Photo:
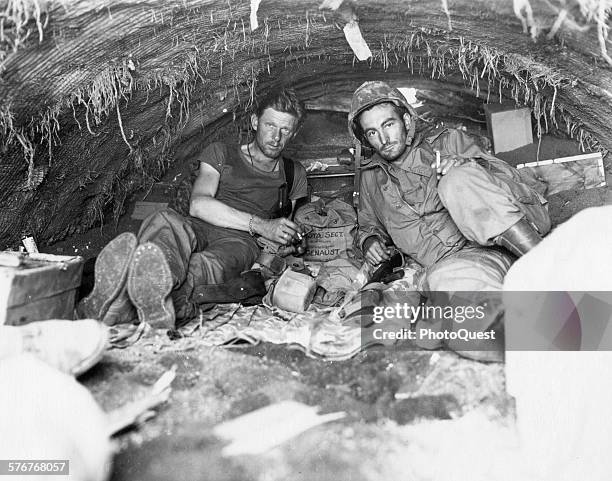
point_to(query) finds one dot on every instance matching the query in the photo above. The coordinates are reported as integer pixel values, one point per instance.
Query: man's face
(385, 130)
(273, 131)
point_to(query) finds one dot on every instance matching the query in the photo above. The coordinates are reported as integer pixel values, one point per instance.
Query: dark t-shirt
(247, 188)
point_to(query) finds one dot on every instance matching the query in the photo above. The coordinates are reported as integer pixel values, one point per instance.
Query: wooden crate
(509, 127)
(43, 287)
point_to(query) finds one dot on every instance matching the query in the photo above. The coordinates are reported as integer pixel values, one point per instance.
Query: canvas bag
(332, 224)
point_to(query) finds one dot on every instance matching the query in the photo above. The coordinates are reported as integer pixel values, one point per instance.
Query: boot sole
(149, 285)
(111, 269)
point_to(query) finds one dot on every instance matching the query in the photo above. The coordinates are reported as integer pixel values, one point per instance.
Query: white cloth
(47, 415)
(563, 398)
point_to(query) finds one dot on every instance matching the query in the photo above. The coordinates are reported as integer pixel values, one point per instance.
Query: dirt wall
(98, 99)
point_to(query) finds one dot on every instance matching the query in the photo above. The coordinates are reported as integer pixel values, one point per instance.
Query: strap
(357, 182)
(289, 174)
(285, 201)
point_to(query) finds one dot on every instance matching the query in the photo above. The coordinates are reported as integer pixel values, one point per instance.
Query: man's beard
(269, 151)
(394, 153)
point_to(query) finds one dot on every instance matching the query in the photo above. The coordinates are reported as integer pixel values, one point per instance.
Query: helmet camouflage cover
(373, 93)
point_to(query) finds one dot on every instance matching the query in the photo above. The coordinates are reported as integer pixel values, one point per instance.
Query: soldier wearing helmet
(441, 200)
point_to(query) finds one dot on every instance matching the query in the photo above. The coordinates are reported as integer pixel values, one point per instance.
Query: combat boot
(121, 310)
(110, 274)
(520, 238)
(149, 286)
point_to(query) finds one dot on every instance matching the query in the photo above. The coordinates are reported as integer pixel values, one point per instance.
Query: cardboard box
(42, 287)
(508, 126)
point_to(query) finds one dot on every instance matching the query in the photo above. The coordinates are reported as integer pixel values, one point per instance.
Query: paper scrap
(352, 32)
(410, 94)
(330, 4)
(139, 411)
(254, 8)
(261, 430)
(316, 166)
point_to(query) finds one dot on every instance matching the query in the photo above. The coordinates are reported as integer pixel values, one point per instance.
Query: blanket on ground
(317, 332)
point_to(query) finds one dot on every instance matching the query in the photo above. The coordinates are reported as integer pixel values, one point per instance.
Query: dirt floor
(217, 384)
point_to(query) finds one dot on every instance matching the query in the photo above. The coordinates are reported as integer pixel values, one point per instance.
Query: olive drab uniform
(447, 225)
(201, 254)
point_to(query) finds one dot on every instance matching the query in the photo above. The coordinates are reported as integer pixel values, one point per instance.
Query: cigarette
(437, 160)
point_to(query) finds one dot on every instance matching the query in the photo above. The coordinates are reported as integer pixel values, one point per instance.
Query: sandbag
(333, 224)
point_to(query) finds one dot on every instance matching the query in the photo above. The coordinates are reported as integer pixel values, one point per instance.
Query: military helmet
(373, 93)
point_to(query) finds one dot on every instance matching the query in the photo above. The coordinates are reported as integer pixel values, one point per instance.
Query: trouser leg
(471, 269)
(222, 260)
(175, 236)
(484, 205)
(468, 284)
(198, 253)
(226, 254)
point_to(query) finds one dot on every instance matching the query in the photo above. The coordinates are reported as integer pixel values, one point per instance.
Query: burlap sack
(333, 224)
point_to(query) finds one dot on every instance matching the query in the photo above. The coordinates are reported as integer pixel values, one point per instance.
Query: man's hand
(280, 230)
(375, 251)
(446, 164)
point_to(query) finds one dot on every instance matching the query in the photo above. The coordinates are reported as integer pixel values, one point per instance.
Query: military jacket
(399, 202)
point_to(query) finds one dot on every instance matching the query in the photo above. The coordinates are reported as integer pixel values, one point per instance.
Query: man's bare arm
(203, 205)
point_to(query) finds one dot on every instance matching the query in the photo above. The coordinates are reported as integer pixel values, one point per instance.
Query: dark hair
(284, 100)
(358, 131)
